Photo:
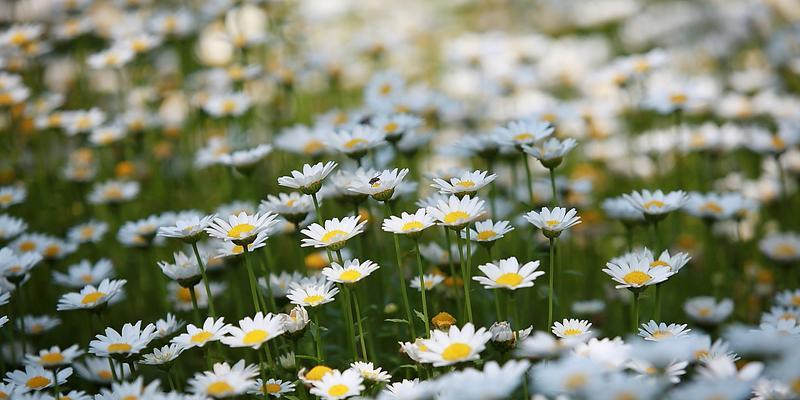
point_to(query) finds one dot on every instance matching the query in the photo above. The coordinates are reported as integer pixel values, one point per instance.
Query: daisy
(225, 380)
(309, 181)
(356, 141)
(10, 227)
(37, 378)
(131, 390)
(409, 224)
(295, 207)
(107, 134)
(295, 321)
(273, 387)
(254, 332)
(429, 280)
(115, 57)
(55, 357)
(113, 192)
(132, 340)
(786, 298)
(181, 297)
(522, 132)
(487, 232)
(241, 229)
(89, 232)
(188, 229)
(91, 297)
(467, 183)
(312, 295)
(781, 247)
(246, 160)
(299, 139)
(352, 271)
(572, 329)
(508, 274)
(335, 233)
(184, 270)
(656, 205)
(38, 325)
(457, 345)
(380, 186)
(165, 355)
(15, 267)
(553, 222)
(635, 273)
(338, 385)
(494, 382)
(314, 374)
(456, 213)
(407, 389)
(168, 325)
(369, 372)
(660, 331)
(621, 209)
(716, 206)
(707, 311)
(232, 104)
(673, 263)
(10, 195)
(394, 126)
(96, 370)
(551, 151)
(212, 330)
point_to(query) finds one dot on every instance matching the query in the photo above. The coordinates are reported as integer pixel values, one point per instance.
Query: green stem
(514, 314)
(421, 273)
(348, 316)
(211, 309)
(113, 370)
(452, 270)
(550, 283)
(635, 312)
(529, 177)
(270, 360)
(554, 199)
(263, 371)
(497, 308)
(468, 275)
(318, 334)
(252, 277)
(464, 275)
(360, 327)
(657, 312)
(401, 273)
(56, 389)
(195, 308)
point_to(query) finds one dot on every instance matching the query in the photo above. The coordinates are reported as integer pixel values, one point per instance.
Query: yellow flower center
(272, 388)
(18, 39)
(412, 226)
(350, 275)
(201, 337)
(625, 396)
(316, 261)
(52, 358)
(523, 137)
(113, 193)
(711, 206)
(313, 299)
(51, 251)
(486, 235)
(184, 295)
(338, 390)
(778, 143)
(316, 373)
(455, 217)
(87, 232)
(353, 143)
(385, 89)
(390, 127)
(37, 382)
(677, 98)
(641, 65)
(510, 278)
(796, 385)
(551, 222)
(575, 381)
(119, 348)
(636, 278)
(785, 250)
(333, 235)
(37, 329)
(659, 334)
(240, 230)
(3, 395)
(219, 388)
(653, 203)
(27, 246)
(572, 332)
(313, 147)
(92, 298)
(228, 106)
(704, 311)
(465, 183)
(105, 374)
(659, 263)
(255, 336)
(456, 351)
(796, 301)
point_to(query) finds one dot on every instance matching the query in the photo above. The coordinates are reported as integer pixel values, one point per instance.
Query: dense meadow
(454, 199)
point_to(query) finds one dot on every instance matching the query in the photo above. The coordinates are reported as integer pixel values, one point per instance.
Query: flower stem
(113, 371)
(657, 312)
(403, 289)
(554, 199)
(452, 269)
(56, 390)
(348, 316)
(263, 371)
(318, 334)
(211, 310)
(635, 312)
(195, 308)
(422, 290)
(550, 293)
(529, 177)
(497, 308)
(252, 277)
(464, 275)
(360, 327)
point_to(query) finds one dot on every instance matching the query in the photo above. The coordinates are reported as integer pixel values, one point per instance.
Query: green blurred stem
(403, 289)
(211, 309)
(421, 273)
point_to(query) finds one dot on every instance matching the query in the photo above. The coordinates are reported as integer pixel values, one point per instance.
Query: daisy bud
(443, 321)
(502, 336)
(295, 322)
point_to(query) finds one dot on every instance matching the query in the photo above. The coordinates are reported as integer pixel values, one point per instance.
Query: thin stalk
(497, 308)
(468, 278)
(550, 283)
(360, 327)
(464, 277)
(657, 312)
(318, 334)
(211, 309)
(113, 370)
(529, 177)
(403, 289)
(554, 199)
(270, 360)
(514, 314)
(635, 312)
(421, 273)
(452, 269)
(195, 308)
(348, 316)
(252, 277)
(56, 389)
(263, 371)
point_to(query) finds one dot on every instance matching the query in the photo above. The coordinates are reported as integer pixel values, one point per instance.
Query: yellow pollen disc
(332, 236)
(486, 235)
(662, 334)
(37, 329)
(338, 390)
(316, 260)
(712, 207)
(272, 388)
(18, 39)
(313, 299)
(412, 226)
(704, 312)
(27, 246)
(105, 374)
(385, 89)
(778, 143)
(456, 351)
(653, 203)
(510, 278)
(219, 388)
(350, 275)
(184, 295)
(6, 99)
(390, 127)
(575, 381)
(626, 396)
(240, 230)
(641, 65)
(353, 143)
(37, 382)
(201, 337)
(340, 119)
(131, 397)
(572, 332)
(466, 183)
(118, 348)
(454, 217)
(228, 106)
(236, 249)
(659, 263)
(255, 336)
(796, 385)
(523, 137)
(636, 278)
(785, 250)
(796, 301)
(677, 98)
(3, 395)
(316, 373)
(92, 298)
(551, 222)
(87, 232)
(51, 251)
(52, 358)
(313, 147)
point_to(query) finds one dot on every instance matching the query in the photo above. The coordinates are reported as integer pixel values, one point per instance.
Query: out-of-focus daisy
(15, 267)
(189, 229)
(312, 295)
(786, 298)
(10, 195)
(36, 325)
(227, 104)
(130, 341)
(487, 232)
(10, 227)
(165, 355)
(96, 370)
(716, 206)
(167, 326)
(89, 232)
(335, 234)
(468, 183)
(369, 372)
(241, 229)
(338, 385)
(54, 357)
(273, 387)
(522, 132)
(37, 378)
(309, 181)
(135, 389)
(660, 331)
(551, 151)
(181, 297)
(454, 346)
(356, 141)
(246, 160)
(114, 57)
(91, 297)
(409, 224)
(224, 380)
(299, 139)
(184, 270)
(552, 223)
(294, 206)
(352, 271)
(394, 126)
(456, 213)
(508, 274)
(107, 134)
(707, 310)
(781, 247)
(572, 329)
(113, 192)
(656, 205)
(381, 186)
(429, 280)
(621, 209)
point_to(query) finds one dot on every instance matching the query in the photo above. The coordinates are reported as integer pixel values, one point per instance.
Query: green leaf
(421, 316)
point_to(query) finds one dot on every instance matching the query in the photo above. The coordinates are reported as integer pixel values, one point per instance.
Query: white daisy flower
(487, 232)
(352, 271)
(131, 390)
(181, 297)
(245, 160)
(96, 370)
(429, 280)
(299, 139)
(15, 266)
(130, 341)
(184, 270)
(89, 232)
(254, 332)
(621, 209)
(10, 227)
(572, 329)
(550, 152)
(717, 206)
(212, 330)
(114, 57)
(466, 183)
(381, 186)
(338, 385)
(189, 228)
(273, 387)
(335, 233)
(296, 320)
(54, 357)
(673, 263)
(295, 207)
(355, 141)
(522, 132)
(10, 195)
(508, 274)
(241, 229)
(164, 355)
(656, 204)
(394, 126)
(91, 297)
(635, 273)
(224, 381)
(37, 378)
(312, 295)
(781, 247)
(168, 325)
(553, 222)
(36, 325)
(407, 390)
(231, 104)
(309, 181)
(708, 311)
(456, 212)
(409, 224)
(113, 192)
(369, 372)
(660, 331)
(456, 345)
